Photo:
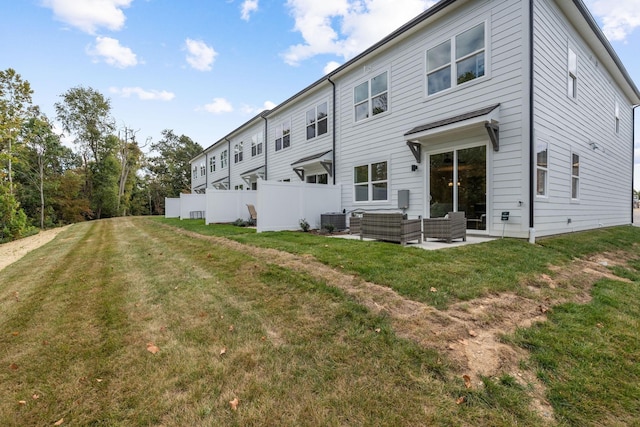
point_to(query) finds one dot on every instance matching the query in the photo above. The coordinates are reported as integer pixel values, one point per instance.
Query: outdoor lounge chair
(452, 226)
(390, 227)
(253, 215)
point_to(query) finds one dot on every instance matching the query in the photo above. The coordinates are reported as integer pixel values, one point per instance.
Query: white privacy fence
(228, 205)
(281, 205)
(192, 206)
(171, 207)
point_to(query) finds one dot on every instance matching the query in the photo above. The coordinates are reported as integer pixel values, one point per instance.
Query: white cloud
(89, 15)
(219, 106)
(113, 53)
(331, 65)
(142, 94)
(346, 27)
(249, 109)
(200, 56)
(248, 6)
(619, 18)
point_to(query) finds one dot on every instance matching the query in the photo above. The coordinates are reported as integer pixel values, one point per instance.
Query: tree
(171, 169)
(15, 107)
(130, 157)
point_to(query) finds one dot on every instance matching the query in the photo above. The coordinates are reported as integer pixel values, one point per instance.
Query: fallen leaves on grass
(234, 404)
(152, 348)
(22, 402)
(13, 367)
(231, 328)
(59, 422)
(223, 351)
(35, 396)
(467, 381)
(461, 400)
(433, 289)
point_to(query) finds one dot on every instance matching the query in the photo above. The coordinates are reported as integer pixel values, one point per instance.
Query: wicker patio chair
(452, 226)
(390, 227)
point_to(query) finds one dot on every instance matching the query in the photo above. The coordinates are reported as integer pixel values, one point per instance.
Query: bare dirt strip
(10, 252)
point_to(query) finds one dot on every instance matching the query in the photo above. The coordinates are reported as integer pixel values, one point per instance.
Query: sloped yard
(135, 322)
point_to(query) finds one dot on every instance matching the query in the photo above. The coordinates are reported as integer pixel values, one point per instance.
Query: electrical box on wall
(403, 199)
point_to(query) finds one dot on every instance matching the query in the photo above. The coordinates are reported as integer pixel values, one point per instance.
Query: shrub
(304, 225)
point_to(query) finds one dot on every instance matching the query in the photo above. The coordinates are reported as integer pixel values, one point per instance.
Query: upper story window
(224, 159)
(256, 144)
(371, 97)
(237, 152)
(572, 77)
(457, 60)
(212, 164)
(575, 176)
(317, 119)
(542, 168)
(283, 135)
(194, 172)
(617, 117)
(370, 182)
(203, 169)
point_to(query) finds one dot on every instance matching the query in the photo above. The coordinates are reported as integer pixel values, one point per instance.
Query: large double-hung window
(224, 159)
(238, 152)
(370, 182)
(457, 61)
(317, 119)
(256, 144)
(371, 97)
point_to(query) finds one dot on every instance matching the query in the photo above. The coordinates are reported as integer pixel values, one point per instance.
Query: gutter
(633, 152)
(265, 147)
(532, 148)
(228, 161)
(333, 151)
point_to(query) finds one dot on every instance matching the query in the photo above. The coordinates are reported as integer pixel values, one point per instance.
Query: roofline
(441, 5)
(582, 8)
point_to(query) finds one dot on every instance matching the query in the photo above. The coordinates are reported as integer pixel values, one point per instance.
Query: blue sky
(204, 67)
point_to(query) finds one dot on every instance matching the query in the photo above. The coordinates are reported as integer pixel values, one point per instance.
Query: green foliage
(330, 228)
(170, 169)
(304, 225)
(13, 220)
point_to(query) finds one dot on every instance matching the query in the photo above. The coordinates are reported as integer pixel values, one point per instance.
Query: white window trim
(454, 81)
(572, 77)
(212, 164)
(370, 76)
(370, 183)
(314, 107)
(572, 153)
(544, 196)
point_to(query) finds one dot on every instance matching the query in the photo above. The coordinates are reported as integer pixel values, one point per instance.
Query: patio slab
(430, 245)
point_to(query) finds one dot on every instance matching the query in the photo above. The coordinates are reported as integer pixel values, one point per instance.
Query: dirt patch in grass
(469, 332)
(11, 252)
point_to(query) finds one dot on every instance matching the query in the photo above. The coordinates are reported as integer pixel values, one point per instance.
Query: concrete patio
(430, 245)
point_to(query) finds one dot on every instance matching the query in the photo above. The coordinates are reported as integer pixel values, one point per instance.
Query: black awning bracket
(328, 167)
(416, 150)
(494, 133)
(300, 173)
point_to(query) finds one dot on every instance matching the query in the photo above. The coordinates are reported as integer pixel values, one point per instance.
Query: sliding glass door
(458, 182)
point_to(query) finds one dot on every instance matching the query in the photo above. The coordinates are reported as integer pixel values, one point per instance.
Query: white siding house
(484, 107)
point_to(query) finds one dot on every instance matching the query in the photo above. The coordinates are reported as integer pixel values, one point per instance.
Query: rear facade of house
(517, 113)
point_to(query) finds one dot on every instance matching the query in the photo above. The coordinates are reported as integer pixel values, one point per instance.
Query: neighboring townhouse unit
(516, 112)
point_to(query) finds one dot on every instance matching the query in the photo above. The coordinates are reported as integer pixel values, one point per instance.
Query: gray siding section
(570, 125)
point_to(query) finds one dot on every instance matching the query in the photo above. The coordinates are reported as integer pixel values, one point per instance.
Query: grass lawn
(128, 322)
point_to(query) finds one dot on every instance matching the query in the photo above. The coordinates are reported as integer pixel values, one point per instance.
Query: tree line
(45, 184)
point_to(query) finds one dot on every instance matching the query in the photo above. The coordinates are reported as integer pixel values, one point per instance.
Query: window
(237, 152)
(194, 172)
(223, 159)
(203, 169)
(617, 112)
(321, 178)
(239, 187)
(370, 182)
(212, 164)
(283, 135)
(467, 56)
(317, 120)
(572, 78)
(575, 176)
(542, 168)
(371, 97)
(256, 144)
